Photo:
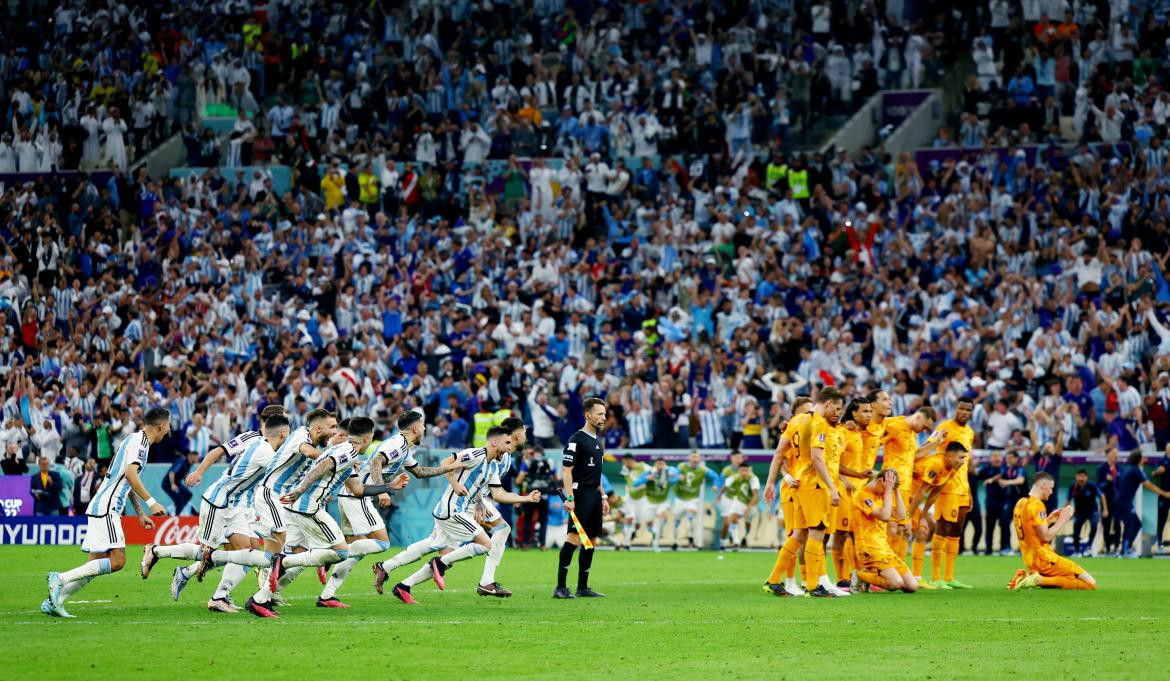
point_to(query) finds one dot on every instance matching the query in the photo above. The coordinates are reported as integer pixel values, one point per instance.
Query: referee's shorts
(588, 510)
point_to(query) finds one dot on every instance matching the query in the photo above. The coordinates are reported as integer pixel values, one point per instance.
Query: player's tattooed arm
(323, 467)
(430, 471)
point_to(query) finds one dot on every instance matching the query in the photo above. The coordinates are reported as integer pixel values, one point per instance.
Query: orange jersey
(816, 434)
(871, 440)
(958, 484)
(792, 432)
(869, 532)
(853, 456)
(835, 451)
(932, 471)
(901, 444)
(1028, 513)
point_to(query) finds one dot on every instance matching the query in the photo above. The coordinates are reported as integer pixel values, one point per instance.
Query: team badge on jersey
(930, 474)
(869, 502)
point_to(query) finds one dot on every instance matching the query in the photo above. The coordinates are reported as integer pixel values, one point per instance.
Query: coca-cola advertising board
(169, 530)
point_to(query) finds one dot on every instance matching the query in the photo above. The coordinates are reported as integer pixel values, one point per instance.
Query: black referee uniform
(583, 455)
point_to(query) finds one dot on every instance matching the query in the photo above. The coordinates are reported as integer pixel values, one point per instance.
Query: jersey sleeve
(409, 461)
(819, 435)
(755, 483)
(570, 452)
(868, 505)
(469, 458)
(236, 446)
(1037, 515)
(894, 428)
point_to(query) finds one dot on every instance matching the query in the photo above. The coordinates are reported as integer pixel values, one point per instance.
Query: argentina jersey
(110, 497)
(397, 455)
(470, 461)
(320, 490)
(489, 476)
(288, 463)
(235, 485)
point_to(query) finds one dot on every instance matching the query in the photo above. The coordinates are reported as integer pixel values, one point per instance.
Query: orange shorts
(843, 512)
(948, 506)
(813, 509)
(788, 507)
(876, 559)
(1047, 563)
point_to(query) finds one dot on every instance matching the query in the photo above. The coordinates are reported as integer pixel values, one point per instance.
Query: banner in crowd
(15, 497)
(897, 106)
(43, 530)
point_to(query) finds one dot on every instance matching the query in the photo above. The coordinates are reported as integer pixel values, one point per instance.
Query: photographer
(536, 474)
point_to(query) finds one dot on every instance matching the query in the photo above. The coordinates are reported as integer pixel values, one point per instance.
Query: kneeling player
(1035, 530)
(874, 506)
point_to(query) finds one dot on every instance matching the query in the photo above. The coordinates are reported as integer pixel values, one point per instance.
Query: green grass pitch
(668, 616)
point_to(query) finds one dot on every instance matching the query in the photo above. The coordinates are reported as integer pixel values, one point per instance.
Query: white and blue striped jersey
(474, 475)
(710, 429)
(110, 496)
(397, 454)
(288, 464)
(234, 487)
(641, 428)
(320, 490)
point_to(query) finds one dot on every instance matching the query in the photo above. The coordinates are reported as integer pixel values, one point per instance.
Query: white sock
(469, 550)
(790, 582)
(233, 574)
(93, 568)
(408, 555)
(495, 553)
(734, 532)
(289, 575)
(182, 551)
(189, 571)
(628, 533)
(340, 572)
(251, 557)
(312, 557)
(73, 587)
(691, 523)
(364, 547)
(823, 580)
(420, 576)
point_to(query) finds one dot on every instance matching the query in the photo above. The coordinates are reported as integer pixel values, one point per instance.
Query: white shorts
(103, 534)
(359, 517)
(492, 513)
(217, 524)
(317, 531)
(685, 506)
(725, 505)
(638, 509)
(270, 514)
(735, 507)
(455, 531)
(655, 509)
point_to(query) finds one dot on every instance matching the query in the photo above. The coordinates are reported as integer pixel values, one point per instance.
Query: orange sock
(790, 572)
(898, 544)
(839, 562)
(784, 559)
(814, 556)
(874, 578)
(1066, 583)
(850, 561)
(952, 554)
(918, 556)
(803, 566)
(938, 550)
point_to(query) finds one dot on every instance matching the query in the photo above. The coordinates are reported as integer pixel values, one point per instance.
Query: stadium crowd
(699, 293)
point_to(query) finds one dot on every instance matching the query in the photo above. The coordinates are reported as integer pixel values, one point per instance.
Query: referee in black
(583, 494)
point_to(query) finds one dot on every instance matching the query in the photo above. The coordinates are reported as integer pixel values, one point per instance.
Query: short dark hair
(735, 452)
(271, 410)
(317, 415)
(513, 424)
(830, 394)
(275, 421)
(592, 402)
(928, 412)
(360, 426)
(157, 416)
(965, 400)
(660, 458)
(1135, 457)
(496, 431)
(628, 455)
(408, 418)
(957, 447)
(343, 425)
(1081, 471)
(851, 409)
(800, 402)
(872, 395)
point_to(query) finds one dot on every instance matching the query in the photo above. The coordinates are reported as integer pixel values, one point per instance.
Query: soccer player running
(853, 472)
(479, 472)
(225, 513)
(583, 491)
(726, 503)
(307, 505)
(784, 465)
(901, 451)
(487, 516)
(954, 500)
(634, 507)
(742, 491)
(816, 494)
(231, 449)
(104, 539)
(876, 505)
(1035, 530)
(657, 483)
(688, 497)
